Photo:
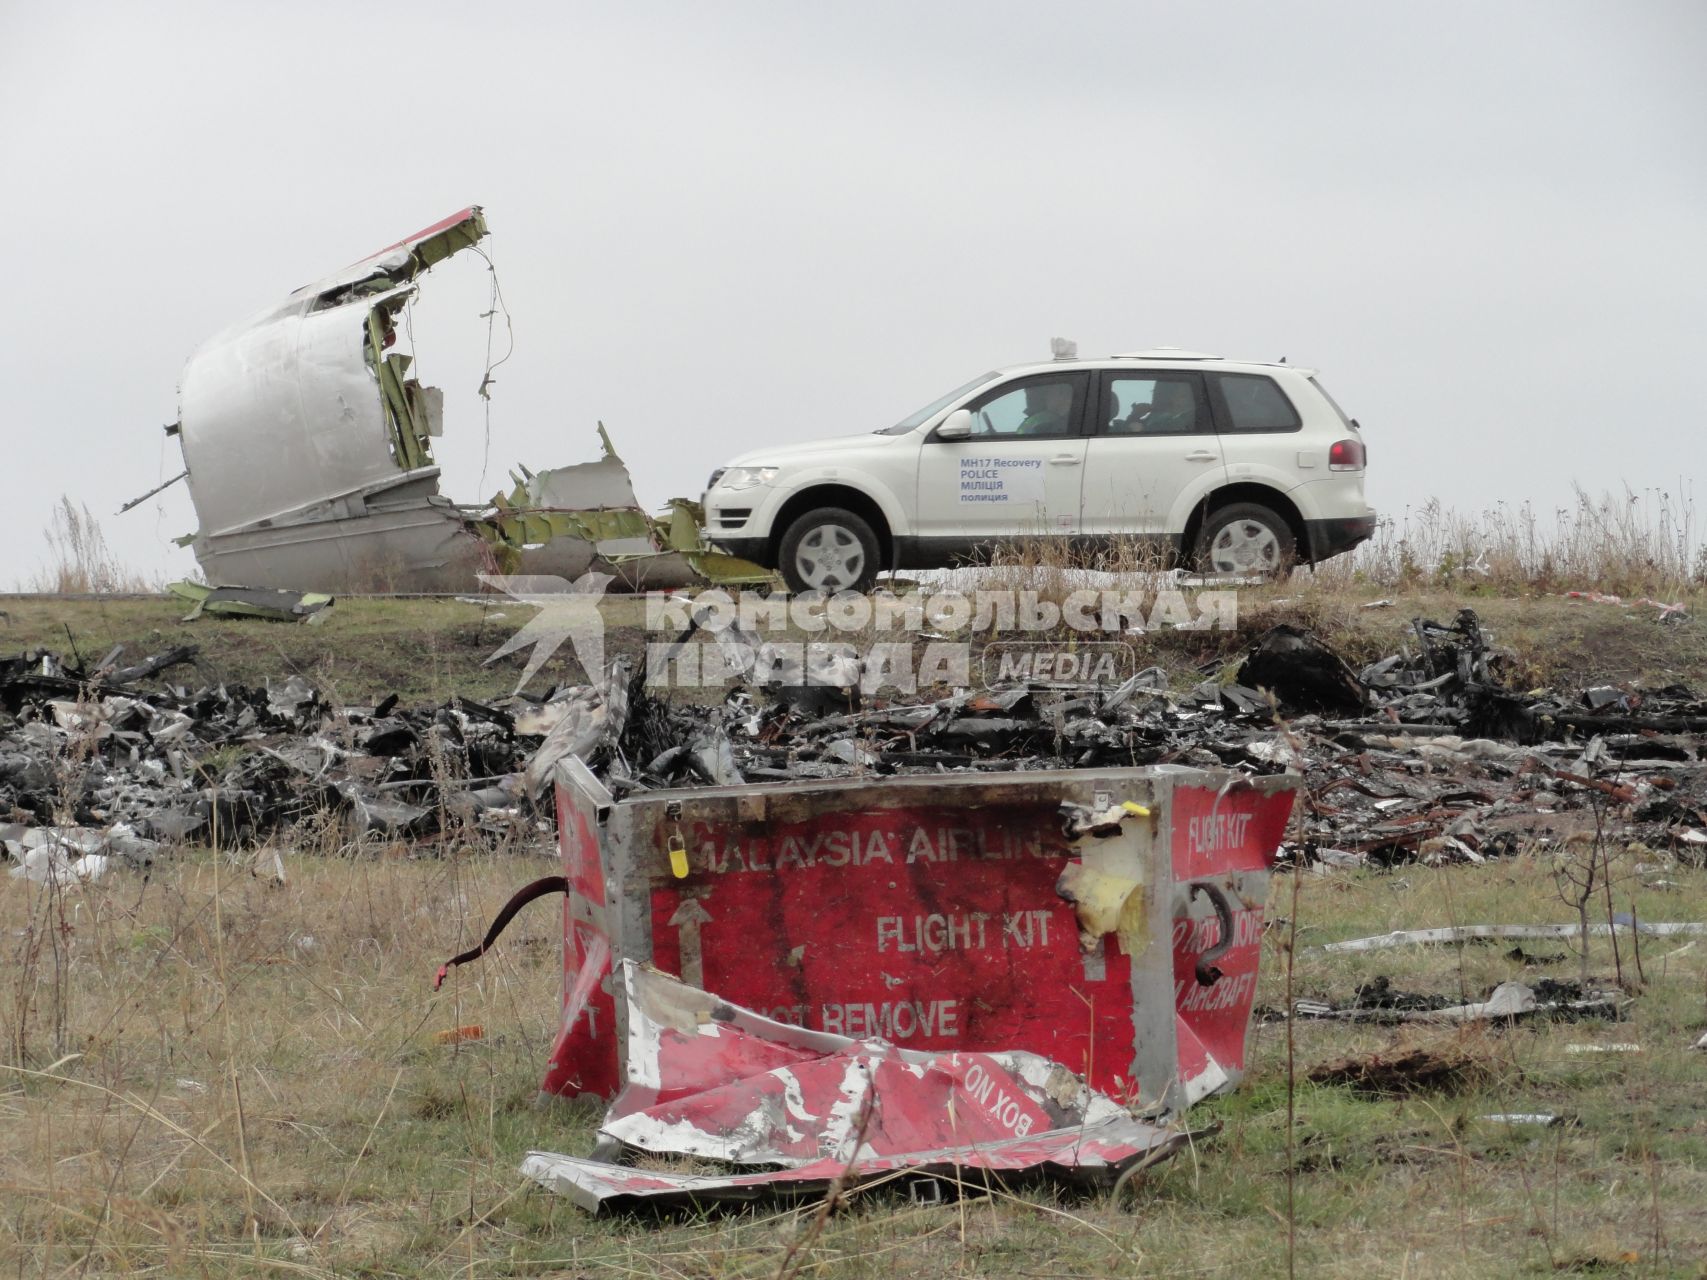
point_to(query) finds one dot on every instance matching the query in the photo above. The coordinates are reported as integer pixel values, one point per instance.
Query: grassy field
(207, 1073)
(211, 1074)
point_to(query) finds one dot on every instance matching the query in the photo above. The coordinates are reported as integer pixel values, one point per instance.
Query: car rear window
(1256, 403)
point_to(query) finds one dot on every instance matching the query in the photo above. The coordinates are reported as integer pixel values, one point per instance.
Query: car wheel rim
(830, 558)
(1245, 546)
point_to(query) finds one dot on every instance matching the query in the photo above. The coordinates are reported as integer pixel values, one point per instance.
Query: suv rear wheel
(829, 550)
(1246, 538)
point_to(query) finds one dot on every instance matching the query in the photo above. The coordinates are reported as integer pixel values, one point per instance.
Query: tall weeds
(1637, 544)
(79, 560)
(1630, 543)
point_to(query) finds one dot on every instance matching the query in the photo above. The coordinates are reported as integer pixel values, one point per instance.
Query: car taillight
(1347, 455)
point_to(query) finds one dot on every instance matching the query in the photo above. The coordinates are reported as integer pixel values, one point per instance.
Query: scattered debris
(1422, 781)
(1594, 1262)
(133, 768)
(1543, 1119)
(1507, 932)
(1444, 1068)
(1453, 766)
(1508, 1002)
(1536, 959)
(62, 855)
(1668, 612)
(1603, 1048)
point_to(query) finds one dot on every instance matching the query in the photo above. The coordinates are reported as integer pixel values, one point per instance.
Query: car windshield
(914, 420)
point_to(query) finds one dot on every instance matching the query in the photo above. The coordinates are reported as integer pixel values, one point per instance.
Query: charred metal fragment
(1302, 672)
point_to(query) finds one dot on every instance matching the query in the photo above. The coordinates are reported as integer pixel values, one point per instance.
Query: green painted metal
(408, 432)
(463, 235)
(251, 602)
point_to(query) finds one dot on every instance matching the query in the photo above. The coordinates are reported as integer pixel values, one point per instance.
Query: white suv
(1236, 466)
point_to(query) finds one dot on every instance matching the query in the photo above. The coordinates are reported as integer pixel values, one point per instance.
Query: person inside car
(1132, 421)
(1047, 407)
(1175, 409)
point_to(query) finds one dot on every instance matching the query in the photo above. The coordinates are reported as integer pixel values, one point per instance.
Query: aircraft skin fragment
(308, 455)
(715, 1081)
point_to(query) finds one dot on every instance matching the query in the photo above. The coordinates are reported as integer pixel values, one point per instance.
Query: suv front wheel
(1246, 538)
(829, 550)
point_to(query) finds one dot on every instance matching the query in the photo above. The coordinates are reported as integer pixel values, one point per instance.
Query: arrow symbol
(687, 919)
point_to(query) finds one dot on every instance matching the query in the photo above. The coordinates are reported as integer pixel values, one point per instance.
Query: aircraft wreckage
(308, 451)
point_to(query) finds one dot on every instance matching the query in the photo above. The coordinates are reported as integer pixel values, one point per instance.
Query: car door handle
(1203, 455)
(1066, 460)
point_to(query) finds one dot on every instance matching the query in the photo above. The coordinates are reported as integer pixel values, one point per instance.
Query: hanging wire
(494, 307)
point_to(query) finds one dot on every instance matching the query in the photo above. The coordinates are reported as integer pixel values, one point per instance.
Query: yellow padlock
(678, 856)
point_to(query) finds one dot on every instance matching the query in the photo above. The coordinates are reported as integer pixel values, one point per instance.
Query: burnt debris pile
(1427, 754)
(92, 764)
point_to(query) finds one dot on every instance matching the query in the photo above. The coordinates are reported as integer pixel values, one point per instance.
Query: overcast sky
(719, 225)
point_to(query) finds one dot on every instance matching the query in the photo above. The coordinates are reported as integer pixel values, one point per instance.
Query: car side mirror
(957, 426)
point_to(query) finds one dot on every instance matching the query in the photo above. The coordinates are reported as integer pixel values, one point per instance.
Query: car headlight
(748, 477)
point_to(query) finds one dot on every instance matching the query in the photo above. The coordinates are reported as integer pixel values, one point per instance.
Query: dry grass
(209, 1064)
(1628, 543)
(206, 1074)
(1054, 569)
(80, 561)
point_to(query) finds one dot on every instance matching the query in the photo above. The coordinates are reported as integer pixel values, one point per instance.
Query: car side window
(1037, 408)
(1252, 402)
(1153, 403)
